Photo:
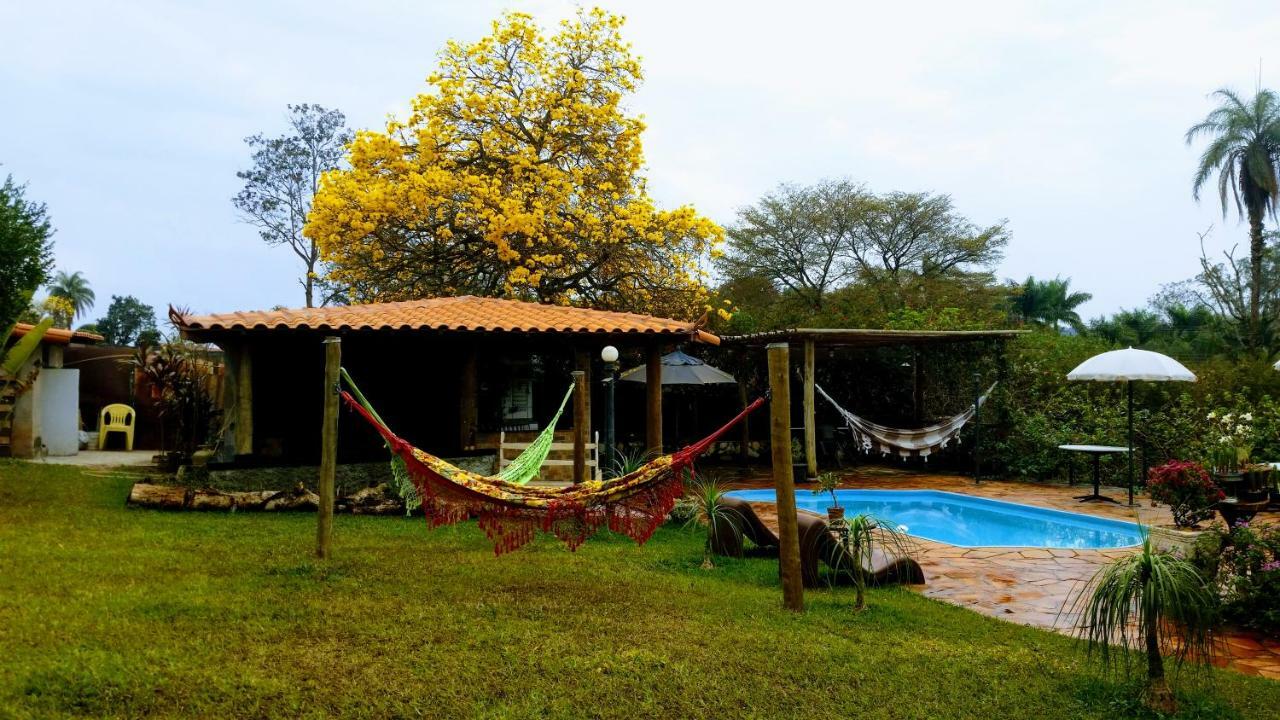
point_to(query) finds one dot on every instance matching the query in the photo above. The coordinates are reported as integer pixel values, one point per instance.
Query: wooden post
(783, 482)
(328, 447)
(244, 401)
(581, 426)
(582, 361)
(917, 387)
(744, 452)
(653, 393)
(468, 391)
(810, 430)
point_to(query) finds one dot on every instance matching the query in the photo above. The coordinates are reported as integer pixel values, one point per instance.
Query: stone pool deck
(1030, 586)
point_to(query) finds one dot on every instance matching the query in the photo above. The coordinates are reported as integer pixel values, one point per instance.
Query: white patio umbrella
(1126, 366)
(681, 369)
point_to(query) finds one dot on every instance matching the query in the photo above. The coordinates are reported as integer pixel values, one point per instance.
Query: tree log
(158, 496)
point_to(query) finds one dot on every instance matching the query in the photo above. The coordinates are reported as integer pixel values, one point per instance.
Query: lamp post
(610, 357)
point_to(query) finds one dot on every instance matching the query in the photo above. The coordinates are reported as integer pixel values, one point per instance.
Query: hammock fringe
(510, 514)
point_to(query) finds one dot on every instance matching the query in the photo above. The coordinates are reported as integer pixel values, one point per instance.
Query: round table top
(1095, 448)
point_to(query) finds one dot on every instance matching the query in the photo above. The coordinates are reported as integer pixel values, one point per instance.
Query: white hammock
(921, 442)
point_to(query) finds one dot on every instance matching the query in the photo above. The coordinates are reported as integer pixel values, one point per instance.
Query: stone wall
(348, 478)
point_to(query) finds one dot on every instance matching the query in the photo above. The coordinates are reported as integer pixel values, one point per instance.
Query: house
(46, 417)
(448, 374)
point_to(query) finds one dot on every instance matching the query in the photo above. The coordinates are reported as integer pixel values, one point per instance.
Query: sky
(1065, 119)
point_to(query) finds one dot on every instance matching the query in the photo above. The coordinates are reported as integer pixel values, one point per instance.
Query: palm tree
(1049, 302)
(1244, 150)
(1151, 600)
(73, 288)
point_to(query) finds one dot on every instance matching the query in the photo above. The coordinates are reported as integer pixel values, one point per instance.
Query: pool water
(969, 521)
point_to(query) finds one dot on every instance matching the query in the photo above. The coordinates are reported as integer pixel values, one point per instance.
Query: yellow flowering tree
(517, 175)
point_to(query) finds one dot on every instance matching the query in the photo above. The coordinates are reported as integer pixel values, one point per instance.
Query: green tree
(1243, 150)
(903, 238)
(128, 321)
(797, 238)
(1048, 302)
(285, 176)
(26, 253)
(73, 288)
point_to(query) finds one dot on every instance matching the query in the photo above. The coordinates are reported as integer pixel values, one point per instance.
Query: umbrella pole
(1130, 384)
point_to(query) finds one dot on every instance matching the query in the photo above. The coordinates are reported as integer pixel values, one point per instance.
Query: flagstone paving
(1031, 586)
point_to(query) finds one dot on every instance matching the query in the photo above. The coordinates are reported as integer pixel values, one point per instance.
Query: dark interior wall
(413, 380)
(107, 376)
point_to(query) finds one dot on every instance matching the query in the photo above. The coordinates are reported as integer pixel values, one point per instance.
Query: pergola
(864, 338)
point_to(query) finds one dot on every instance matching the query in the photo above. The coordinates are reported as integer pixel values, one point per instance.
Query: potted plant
(1257, 480)
(828, 482)
(1187, 489)
(1232, 443)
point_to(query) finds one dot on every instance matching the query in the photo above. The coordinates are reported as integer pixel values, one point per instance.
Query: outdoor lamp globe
(609, 354)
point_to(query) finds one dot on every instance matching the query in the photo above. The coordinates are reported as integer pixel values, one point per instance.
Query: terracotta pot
(835, 513)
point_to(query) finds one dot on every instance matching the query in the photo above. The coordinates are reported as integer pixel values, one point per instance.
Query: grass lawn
(111, 612)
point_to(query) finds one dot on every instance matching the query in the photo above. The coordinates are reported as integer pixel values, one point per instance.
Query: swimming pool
(970, 521)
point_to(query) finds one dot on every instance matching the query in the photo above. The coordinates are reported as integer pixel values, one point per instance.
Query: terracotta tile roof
(460, 314)
(59, 336)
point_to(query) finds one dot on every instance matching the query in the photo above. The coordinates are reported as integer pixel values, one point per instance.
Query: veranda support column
(653, 404)
(810, 430)
(244, 400)
(783, 482)
(744, 440)
(467, 396)
(581, 426)
(328, 446)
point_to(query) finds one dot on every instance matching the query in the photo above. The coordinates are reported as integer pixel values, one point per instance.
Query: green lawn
(110, 612)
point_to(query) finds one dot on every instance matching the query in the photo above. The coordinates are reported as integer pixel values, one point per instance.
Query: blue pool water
(970, 521)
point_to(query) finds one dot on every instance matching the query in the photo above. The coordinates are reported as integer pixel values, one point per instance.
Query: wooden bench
(507, 451)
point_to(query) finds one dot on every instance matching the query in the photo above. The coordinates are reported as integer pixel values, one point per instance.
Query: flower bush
(1248, 577)
(1187, 489)
(1231, 438)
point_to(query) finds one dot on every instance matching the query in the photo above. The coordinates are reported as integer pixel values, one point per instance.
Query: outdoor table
(1097, 451)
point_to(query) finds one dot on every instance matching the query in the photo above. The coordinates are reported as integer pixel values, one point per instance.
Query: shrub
(1248, 577)
(1187, 489)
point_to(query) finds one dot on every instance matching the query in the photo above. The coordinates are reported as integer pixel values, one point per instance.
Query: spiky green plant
(1151, 600)
(13, 382)
(861, 536)
(705, 507)
(624, 462)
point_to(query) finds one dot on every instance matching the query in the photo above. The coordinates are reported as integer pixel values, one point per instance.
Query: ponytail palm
(866, 534)
(706, 506)
(1153, 601)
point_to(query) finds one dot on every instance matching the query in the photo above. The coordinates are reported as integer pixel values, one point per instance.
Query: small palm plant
(704, 505)
(625, 463)
(1152, 600)
(861, 536)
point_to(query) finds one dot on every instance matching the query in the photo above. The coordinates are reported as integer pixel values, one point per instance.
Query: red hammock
(634, 504)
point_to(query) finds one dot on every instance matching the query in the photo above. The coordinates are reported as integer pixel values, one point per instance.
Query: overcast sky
(1064, 118)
